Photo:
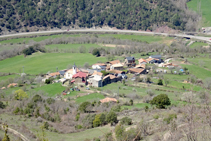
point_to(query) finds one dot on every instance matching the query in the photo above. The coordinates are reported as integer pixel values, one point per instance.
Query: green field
(36, 39)
(199, 72)
(44, 62)
(143, 38)
(198, 44)
(51, 89)
(203, 62)
(90, 97)
(3, 78)
(205, 9)
(72, 46)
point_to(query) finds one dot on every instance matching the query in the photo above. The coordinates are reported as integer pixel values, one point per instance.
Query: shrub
(161, 101)
(83, 106)
(96, 52)
(156, 116)
(20, 94)
(50, 101)
(99, 120)
(2, 106)
(170, 118)
(77, 117)
(48, 81)
(160, 82)
(46, 125)
(88, 121)
(37, 98)
(131, 102)
(79, 126)
(17, 110)
(119, 131)
(111, 117)
(126, 121)
(116, 108)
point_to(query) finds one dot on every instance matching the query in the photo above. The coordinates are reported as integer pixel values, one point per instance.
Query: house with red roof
(79, 78)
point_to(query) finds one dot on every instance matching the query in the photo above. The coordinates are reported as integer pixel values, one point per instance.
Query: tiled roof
(100, 64)
(12, 84)
(140, 66)
(54, 73)
(114, 62)
(111, 76)
(142, 60)
(116, 71)
(107, 99)
(79, 74)
(97, 73)
(136, 70)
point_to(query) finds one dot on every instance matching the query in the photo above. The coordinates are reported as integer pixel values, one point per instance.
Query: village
(102, 74)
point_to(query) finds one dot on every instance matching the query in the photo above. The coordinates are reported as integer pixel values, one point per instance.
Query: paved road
(207, 39)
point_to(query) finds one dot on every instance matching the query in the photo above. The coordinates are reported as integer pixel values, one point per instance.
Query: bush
(50, 101)
(160, 82)
(20, 94)
(48, 81)
(170, 118)
(96, 52)
(116, 108)
(36, 98)
(2, 106)
(161, 101)
(126, 121)
(83, 106)
(131, 102)
(77, 117)
(16, 111)
(111, 117)
(88, 121)
(99, 120)
(28, 51)
(78, 126)
(46, 125)
(156, 116)
(119, 131)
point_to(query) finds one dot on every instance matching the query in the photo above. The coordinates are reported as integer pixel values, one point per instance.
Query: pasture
(47, 62)
(205, 9)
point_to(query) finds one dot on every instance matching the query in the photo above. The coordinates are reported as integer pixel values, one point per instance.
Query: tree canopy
(122, 14)
(161, 101)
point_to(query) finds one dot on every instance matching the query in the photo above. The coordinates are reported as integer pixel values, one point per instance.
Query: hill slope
(205, 9)
(32, 15)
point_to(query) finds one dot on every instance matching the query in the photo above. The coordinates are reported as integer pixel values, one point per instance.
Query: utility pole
(23, 69)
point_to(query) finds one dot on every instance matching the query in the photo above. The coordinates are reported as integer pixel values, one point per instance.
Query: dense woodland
(31, 15)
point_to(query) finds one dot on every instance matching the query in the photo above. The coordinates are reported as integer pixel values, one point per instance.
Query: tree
(20, 94)
(86, 65)
(37, 98)
(161, 101)
(6, 137)
(166, 81)
(126, 121)
(83, 106)
(131, 102)
(119, 131)
(96, 52)
(111, 117)
(160, 82)
(2, 106)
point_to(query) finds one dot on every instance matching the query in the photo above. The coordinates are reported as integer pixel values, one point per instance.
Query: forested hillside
(32, 15)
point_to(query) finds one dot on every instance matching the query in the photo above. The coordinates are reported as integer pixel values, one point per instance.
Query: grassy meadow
(198, 44)
(205, 9)
(44, 62)
(143, 38)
